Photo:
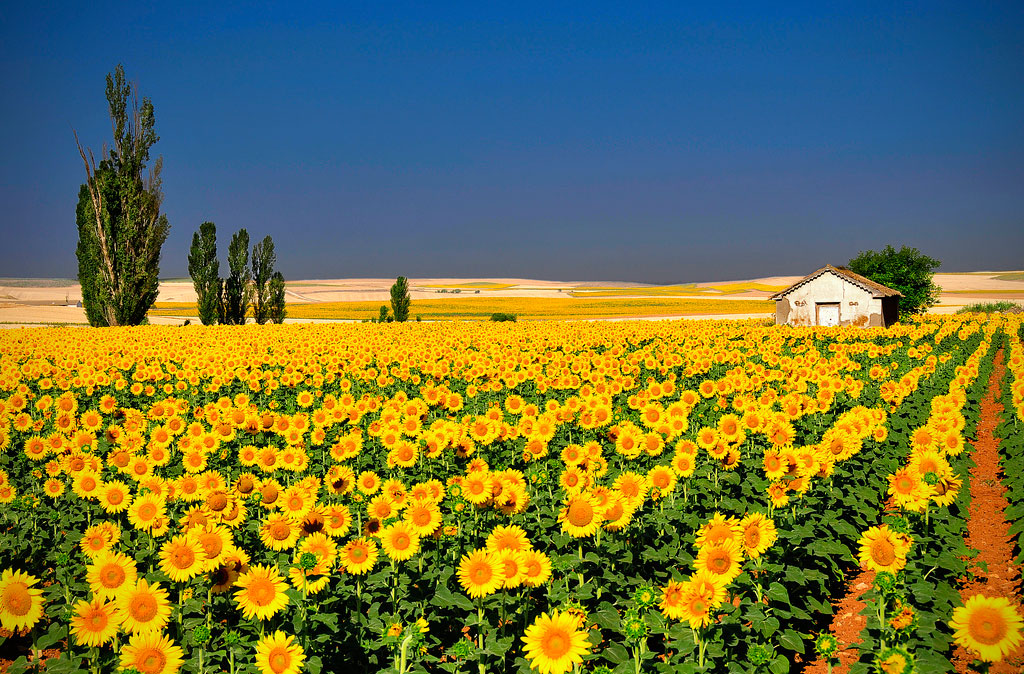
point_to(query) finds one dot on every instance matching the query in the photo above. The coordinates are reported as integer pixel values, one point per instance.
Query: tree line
(228, 300)
(121, 232)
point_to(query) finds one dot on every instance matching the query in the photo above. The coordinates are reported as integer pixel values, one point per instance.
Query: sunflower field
(475, 497)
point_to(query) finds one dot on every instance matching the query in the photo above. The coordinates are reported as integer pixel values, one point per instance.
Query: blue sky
(575, 141)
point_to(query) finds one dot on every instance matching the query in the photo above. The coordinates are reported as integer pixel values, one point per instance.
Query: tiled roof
(876, 289)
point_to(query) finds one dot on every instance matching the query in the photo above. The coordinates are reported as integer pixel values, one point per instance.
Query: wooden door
(828, 313)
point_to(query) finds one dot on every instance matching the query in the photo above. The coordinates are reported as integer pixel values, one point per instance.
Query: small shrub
(988, 307)
(500, 317)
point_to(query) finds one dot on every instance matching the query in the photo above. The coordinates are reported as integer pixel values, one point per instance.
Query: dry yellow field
(527, 308)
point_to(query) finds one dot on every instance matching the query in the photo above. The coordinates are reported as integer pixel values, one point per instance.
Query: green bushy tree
(907, 270)
(400, 299)
(275, 294)
(263, 261)
(204, 269)
(236, 286)
(120, 227)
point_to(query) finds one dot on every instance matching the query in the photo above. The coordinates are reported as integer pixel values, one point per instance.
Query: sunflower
(94, 622)
(359, 555)
(279, 532)
(261, 592)
(109, 572)
(399, 541)
(989, 626)
(695, 605)
(719, 530)
(632, 486)
(723, 561)
(512, 565)
(143, 608)
(216, 541)
(53, 487)
(278, 653)
(536, 568)
(554, 644)
(87, 484)
(662, 478)
(580, 515)
(683, 464)
(908, 490)
(757, 534)
(182, 558)
(325, 549)
(894, 660)
(882, 549)
(368, 482)
(21, 606)
(146, 512)
(510, 537)
(775, 466)
(151, 653)
(476, 487)
(381, 507)
(423, 516)
(115, 496)
(479, 573)
(672, 600)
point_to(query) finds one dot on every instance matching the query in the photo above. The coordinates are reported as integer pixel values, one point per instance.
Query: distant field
(1009, 293)
(1018, 276)
(37, 282)
(688, 289)
(479, 285)
(527, 308)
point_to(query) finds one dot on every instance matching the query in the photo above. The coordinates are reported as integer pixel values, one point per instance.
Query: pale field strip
(34, 302)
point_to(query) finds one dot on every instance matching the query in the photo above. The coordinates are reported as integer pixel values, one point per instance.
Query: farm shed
(836, 296)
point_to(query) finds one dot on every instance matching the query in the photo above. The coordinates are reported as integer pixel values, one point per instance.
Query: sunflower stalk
(481, 669)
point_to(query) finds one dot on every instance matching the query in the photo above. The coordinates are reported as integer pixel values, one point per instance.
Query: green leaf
(777, 592)
(780, 665)
(791, 640)
(616, 654)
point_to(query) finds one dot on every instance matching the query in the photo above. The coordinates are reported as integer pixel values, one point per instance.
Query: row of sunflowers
(448, 497)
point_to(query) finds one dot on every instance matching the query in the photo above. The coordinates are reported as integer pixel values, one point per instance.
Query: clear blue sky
(575, 141)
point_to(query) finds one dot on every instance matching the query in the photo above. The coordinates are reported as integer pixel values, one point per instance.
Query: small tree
(236, 287)
(382, 315)
(204, 269)
(400, 300)
(275, 294)
(263, 261)
(906, 270)
(120, 228)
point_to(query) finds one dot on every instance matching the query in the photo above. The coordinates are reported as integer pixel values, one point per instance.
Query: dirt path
(847, 625)
(995, 574)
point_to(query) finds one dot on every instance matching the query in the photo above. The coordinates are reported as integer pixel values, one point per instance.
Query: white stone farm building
(836, 296)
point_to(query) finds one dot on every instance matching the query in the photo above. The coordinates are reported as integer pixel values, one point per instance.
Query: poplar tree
(276, 298)
(236, 288)
(120, 228)
(204, 269)
(263, 261)
(400, 299)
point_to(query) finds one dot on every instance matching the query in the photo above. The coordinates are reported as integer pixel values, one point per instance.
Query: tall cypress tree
(400, 299)
(120, 228)
(204, 269)
(88, 253)
(263, 261)
(276, 298)
(236, 287)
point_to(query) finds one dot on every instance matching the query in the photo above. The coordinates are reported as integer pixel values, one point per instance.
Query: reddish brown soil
(995, 574)
(847, 625)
